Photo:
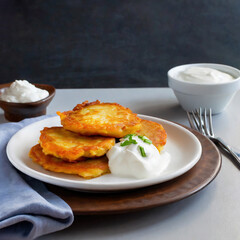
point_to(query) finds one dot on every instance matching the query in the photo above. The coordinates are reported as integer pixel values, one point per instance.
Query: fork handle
(227, 149)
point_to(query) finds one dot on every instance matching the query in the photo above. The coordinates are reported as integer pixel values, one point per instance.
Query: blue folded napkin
(27, 209)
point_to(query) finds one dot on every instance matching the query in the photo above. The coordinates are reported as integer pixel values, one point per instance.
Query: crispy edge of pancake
(114, 127)
(155, 132)
(83, 146)
(87, 169)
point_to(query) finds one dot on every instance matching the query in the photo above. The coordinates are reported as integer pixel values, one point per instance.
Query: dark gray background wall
(114, 43)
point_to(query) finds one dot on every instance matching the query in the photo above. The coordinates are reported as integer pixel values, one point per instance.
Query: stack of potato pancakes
(88, 132)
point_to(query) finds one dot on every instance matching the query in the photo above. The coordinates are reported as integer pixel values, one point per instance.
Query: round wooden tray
(83, 203)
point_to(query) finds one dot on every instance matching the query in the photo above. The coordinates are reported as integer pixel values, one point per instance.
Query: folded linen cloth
(27, 209)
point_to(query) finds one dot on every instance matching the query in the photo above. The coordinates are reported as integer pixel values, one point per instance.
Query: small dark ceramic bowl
(15, 112)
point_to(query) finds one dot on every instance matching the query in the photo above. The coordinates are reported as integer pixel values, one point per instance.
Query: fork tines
(201, 121)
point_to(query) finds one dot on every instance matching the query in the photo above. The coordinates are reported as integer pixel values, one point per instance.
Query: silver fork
(202, 122)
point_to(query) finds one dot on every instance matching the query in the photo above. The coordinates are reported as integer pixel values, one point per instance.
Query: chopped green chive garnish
(129, 135)
(128, 142)
(144, 139)
(147, 141)
(143, 153)
(125, 143)
(141, 137)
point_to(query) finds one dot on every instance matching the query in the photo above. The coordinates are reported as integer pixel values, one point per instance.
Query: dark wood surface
(83, 203)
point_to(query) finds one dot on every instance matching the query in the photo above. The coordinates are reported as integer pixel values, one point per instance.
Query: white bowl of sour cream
(205, 85)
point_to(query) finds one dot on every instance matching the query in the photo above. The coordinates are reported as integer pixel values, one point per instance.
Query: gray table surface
(213, 213)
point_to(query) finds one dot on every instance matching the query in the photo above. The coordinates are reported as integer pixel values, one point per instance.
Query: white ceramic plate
(184, 148)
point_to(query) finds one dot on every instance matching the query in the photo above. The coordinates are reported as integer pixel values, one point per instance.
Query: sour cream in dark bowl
(17, 111)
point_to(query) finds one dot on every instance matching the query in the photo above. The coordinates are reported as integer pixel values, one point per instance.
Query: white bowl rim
(213, 65)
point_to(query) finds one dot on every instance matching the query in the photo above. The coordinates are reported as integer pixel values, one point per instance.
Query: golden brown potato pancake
(90, 168)
(96, 118)
(155, 132)
(71, 146)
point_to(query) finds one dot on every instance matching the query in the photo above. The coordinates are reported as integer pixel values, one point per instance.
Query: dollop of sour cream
(204, 75)
(21, 91)
(136, 156)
